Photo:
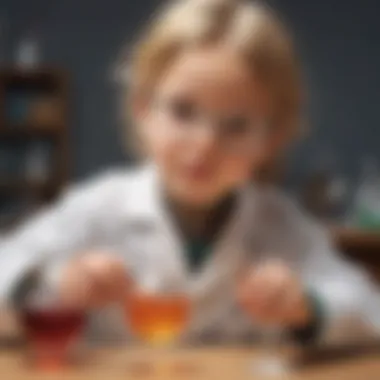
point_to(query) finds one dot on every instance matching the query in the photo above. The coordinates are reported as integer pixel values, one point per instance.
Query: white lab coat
(121, 212)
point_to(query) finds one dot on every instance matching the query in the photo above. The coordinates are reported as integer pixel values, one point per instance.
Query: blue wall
(339, 44)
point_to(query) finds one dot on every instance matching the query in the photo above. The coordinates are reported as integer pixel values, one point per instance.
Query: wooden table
(206, 363)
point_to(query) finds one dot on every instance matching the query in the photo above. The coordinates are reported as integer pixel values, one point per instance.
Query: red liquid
(50, 331)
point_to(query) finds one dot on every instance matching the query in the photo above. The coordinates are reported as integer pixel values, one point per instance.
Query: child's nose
(206, 137)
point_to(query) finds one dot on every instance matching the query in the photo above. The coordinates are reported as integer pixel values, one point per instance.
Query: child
(215, 93)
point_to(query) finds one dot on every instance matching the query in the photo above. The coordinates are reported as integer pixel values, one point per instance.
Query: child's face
(205, 127)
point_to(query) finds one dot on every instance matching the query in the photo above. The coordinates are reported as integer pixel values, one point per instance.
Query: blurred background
(58, 101)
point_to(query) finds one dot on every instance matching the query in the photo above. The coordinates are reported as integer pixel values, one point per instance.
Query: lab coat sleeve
(54, 234)
(350, 299)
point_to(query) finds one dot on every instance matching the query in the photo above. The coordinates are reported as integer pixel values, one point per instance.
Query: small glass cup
(271, 361)
(158, 316)
(51, 328)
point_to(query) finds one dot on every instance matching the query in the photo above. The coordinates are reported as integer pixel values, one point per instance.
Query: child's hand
(272, 295)
(94, 280)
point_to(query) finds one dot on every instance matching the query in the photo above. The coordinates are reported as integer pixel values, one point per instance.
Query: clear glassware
(51, 328)
(271, 361)
(158, 316)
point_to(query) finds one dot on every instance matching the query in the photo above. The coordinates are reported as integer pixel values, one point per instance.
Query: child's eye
(182, 110)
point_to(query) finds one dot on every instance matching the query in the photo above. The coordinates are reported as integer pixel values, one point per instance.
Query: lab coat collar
(145, 203)
(142, 199)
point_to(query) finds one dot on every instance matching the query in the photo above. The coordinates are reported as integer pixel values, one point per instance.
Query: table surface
(201, 363)
(206, 363)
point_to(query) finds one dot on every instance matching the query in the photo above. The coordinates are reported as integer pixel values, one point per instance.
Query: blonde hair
(249, 26)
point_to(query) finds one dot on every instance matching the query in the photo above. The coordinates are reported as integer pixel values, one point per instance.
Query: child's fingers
(267, 283)
(76, 287)
(296, 309)
(94, 280)
(108, 276)
(272, 309)
(288, 308)
(271, 294)
(275, 298)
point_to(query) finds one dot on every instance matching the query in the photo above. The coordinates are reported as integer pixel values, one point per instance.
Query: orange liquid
(157, 319)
